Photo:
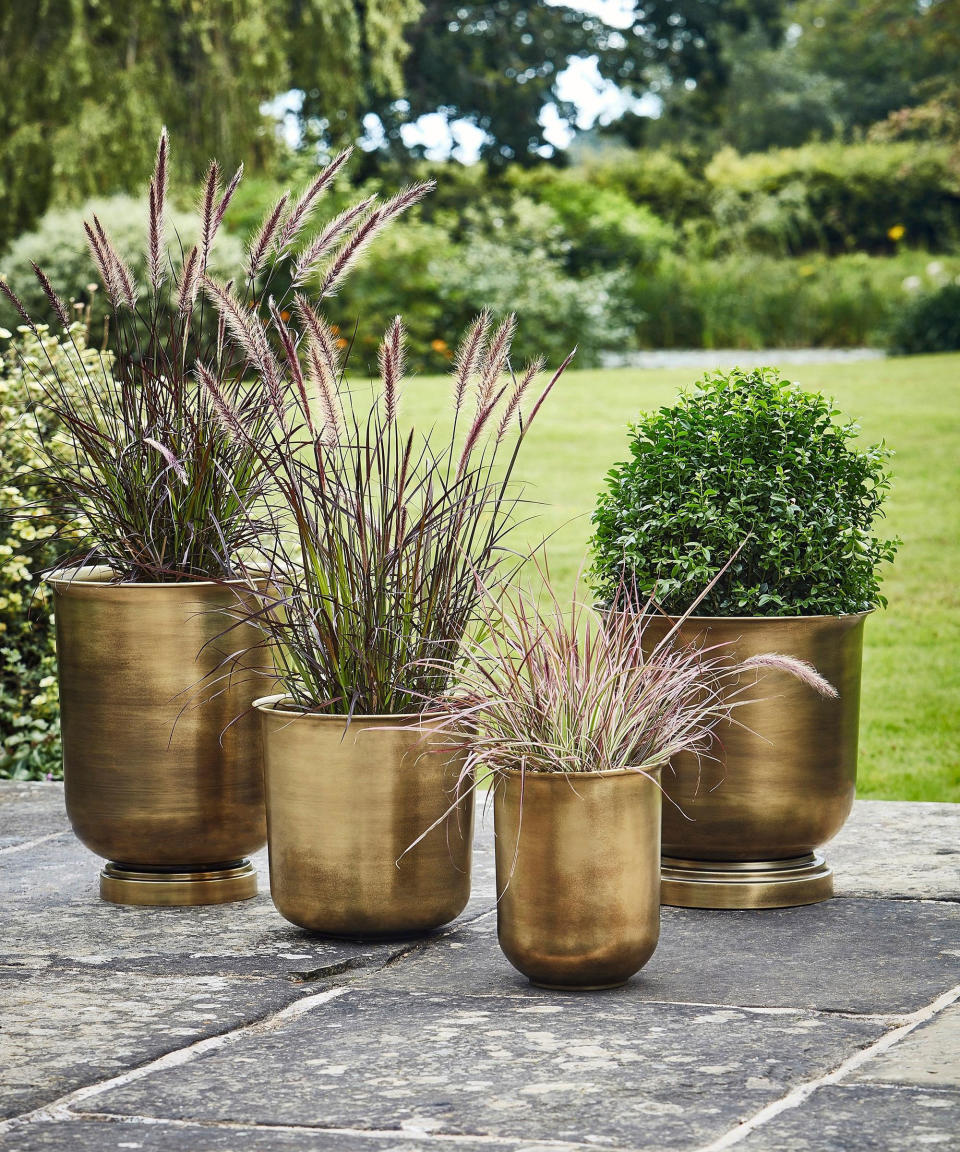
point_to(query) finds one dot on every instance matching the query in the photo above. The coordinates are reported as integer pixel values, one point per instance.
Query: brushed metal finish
(762, 884)
(168, 889)
(578, 875)
(344, 803)
(784, 777)
(159, 772)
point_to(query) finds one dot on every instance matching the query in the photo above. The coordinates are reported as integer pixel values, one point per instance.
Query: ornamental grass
(378, 532)
(149, 475)
(569, 688)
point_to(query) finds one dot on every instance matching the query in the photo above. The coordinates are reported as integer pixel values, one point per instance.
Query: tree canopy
(84, 88)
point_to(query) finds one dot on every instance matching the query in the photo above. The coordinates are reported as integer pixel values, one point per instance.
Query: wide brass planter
(742, 830)
(344, 805)
(161, 749)
(578, 875)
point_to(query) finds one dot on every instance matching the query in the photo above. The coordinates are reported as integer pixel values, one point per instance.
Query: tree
(344, 56)
(772, 100)
(679, 51)
(885, 55)
(496, 63)
(776, 73)
(84, 88)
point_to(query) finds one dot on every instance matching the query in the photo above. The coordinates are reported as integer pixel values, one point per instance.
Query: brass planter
(158, 777)
(578, 875)
(344, 805)
(743, 830)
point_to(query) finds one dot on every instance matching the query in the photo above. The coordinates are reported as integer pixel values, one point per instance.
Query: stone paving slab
(842, 1119)
(52, 917)
(244, 939)
(119, 1136)
(62, 1031)
(864, 956)
(597, 1070)
(54, 865)
(928, 1057)
(438, 1044)
(886, 849)
(904, 851)
(29, 810)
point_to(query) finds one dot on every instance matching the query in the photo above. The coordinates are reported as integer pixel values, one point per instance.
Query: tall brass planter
(578, 875)
(744, 829)
(158, 777)
(344, 803)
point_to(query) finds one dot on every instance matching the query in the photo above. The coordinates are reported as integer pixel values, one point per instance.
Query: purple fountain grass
(380, 533)
(309, 259)
(567, 688)
(155, 219)
(161, 478)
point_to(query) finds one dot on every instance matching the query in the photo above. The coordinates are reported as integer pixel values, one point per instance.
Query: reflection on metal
(742, 828)
(344, 805)
(161, 749)
(578, 875)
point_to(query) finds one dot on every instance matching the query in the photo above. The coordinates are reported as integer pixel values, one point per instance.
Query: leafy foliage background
(29, 706)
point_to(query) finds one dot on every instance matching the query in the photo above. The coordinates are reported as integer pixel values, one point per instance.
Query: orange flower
(284, 316)
(341, 343)
(335, 329)
(438, 345)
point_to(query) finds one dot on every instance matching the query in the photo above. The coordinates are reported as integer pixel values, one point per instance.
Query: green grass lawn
(910, 720)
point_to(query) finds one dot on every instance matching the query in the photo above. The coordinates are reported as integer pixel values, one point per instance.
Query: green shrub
(29, 713)
(511, 260)
(670, 274)
(837, 197)
(59, 247)
(602, 226)
(555, 310)
(395, 277)
(929, 323)
(756, 301)
(745, 461)
(652, 178)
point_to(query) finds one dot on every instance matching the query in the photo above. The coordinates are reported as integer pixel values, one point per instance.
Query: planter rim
(601, 774)
(65, 578)
(269, 704)
(763, 619)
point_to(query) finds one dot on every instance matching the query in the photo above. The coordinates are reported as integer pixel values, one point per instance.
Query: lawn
(910, 721)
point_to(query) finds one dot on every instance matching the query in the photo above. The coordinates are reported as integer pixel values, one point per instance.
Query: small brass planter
(160, 775)
(344, 805)
(743, 830)
(578, 875)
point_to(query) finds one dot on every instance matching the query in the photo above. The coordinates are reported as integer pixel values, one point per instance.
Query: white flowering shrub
(29, 709)
(59, 246)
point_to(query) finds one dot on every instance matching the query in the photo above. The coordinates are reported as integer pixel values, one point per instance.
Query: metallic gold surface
(784, 775)
(344, 803)
(767, 884)
(157, 775)
(166, 889)
(578, 875)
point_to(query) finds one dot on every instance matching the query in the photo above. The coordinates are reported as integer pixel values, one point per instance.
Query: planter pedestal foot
(577, 987)
(170, 888)
(745, 884)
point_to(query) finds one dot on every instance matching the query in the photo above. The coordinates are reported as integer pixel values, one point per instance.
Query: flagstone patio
(831, 1027)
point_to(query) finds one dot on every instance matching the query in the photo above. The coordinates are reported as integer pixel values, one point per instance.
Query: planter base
(577, 987)
(166, 888)
(749, 884)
